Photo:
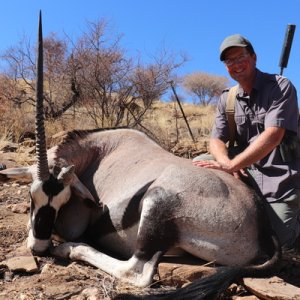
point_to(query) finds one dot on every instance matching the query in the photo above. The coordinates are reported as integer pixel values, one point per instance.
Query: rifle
(289, 35)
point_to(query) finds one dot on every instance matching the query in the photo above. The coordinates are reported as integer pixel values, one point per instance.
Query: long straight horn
(41, 151)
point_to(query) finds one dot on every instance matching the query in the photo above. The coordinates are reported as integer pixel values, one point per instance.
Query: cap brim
(231, 46)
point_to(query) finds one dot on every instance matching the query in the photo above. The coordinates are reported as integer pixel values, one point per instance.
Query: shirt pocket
(242, 126)
(259, 122)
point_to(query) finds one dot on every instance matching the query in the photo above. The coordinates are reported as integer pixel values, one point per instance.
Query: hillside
(163, 122)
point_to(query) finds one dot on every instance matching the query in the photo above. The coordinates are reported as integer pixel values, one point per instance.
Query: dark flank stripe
(131, 215)
(158, 232)
(133, 209)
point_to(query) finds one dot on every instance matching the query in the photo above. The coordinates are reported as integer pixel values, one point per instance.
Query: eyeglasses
(232, 61)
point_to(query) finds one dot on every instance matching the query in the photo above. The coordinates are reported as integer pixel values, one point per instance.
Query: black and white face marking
(46, 200)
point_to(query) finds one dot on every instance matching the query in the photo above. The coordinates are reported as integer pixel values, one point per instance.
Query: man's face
(240, 64)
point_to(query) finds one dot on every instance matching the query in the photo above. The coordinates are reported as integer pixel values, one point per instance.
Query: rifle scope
(289, 34)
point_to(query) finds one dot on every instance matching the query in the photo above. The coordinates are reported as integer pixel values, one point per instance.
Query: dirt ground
(63, 279)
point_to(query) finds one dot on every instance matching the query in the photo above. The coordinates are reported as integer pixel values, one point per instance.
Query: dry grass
(14, 122)
(167, 123)
(164, 122)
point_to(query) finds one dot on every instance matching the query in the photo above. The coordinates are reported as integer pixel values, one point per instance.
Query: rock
(23, 296)
(48, 269)
(21, 263)
(20, 208)
(180, 274)
(272, 288)
(92, 293)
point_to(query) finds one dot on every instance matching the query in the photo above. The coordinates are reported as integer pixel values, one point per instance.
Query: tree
(150, 82)
(204, 87)
(92, 70)
(20, 76)
(117, 90)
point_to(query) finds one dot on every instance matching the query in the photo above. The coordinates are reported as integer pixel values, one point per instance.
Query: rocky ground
(23, 276)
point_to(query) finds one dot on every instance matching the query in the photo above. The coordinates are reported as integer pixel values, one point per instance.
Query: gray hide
(150, 201)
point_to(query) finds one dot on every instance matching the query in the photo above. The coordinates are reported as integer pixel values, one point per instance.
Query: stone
(92, 293)
(21, 263)
(180, 274)
(20, 208)
(272, 288)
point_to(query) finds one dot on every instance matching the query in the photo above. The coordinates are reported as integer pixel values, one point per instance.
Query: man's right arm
(262, 146)
(219, 151)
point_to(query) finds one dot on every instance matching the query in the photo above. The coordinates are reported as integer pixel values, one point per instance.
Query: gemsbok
(120, 201)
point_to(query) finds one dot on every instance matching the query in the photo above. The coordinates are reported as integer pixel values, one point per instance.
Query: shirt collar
(258, 83)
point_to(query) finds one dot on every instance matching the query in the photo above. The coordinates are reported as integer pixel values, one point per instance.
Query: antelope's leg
(135, 270)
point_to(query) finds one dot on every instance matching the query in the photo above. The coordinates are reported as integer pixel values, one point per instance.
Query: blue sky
(193, 27)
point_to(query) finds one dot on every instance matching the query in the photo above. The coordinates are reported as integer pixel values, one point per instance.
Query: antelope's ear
(66, 174)
(22, 174)
(81, 190)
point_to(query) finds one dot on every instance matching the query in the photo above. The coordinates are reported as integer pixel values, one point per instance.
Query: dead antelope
(122, 193)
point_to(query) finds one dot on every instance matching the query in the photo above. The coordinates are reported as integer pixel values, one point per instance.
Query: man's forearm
(219, 151)
(261, 147)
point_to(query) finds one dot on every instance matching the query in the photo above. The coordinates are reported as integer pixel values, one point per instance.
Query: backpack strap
(230, 102)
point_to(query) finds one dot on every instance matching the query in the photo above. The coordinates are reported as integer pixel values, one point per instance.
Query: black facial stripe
(43, 222)
(52, 186)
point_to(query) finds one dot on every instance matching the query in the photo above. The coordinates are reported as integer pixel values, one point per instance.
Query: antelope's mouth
(39, 247)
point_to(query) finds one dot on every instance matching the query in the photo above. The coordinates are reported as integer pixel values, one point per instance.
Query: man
(266, 117)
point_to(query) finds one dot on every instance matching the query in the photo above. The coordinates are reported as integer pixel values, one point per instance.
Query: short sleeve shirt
(272, 103)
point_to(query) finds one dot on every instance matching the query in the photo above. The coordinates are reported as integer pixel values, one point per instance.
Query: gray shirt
(272, 102)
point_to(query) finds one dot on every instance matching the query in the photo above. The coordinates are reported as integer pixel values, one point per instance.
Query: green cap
(235, 40)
